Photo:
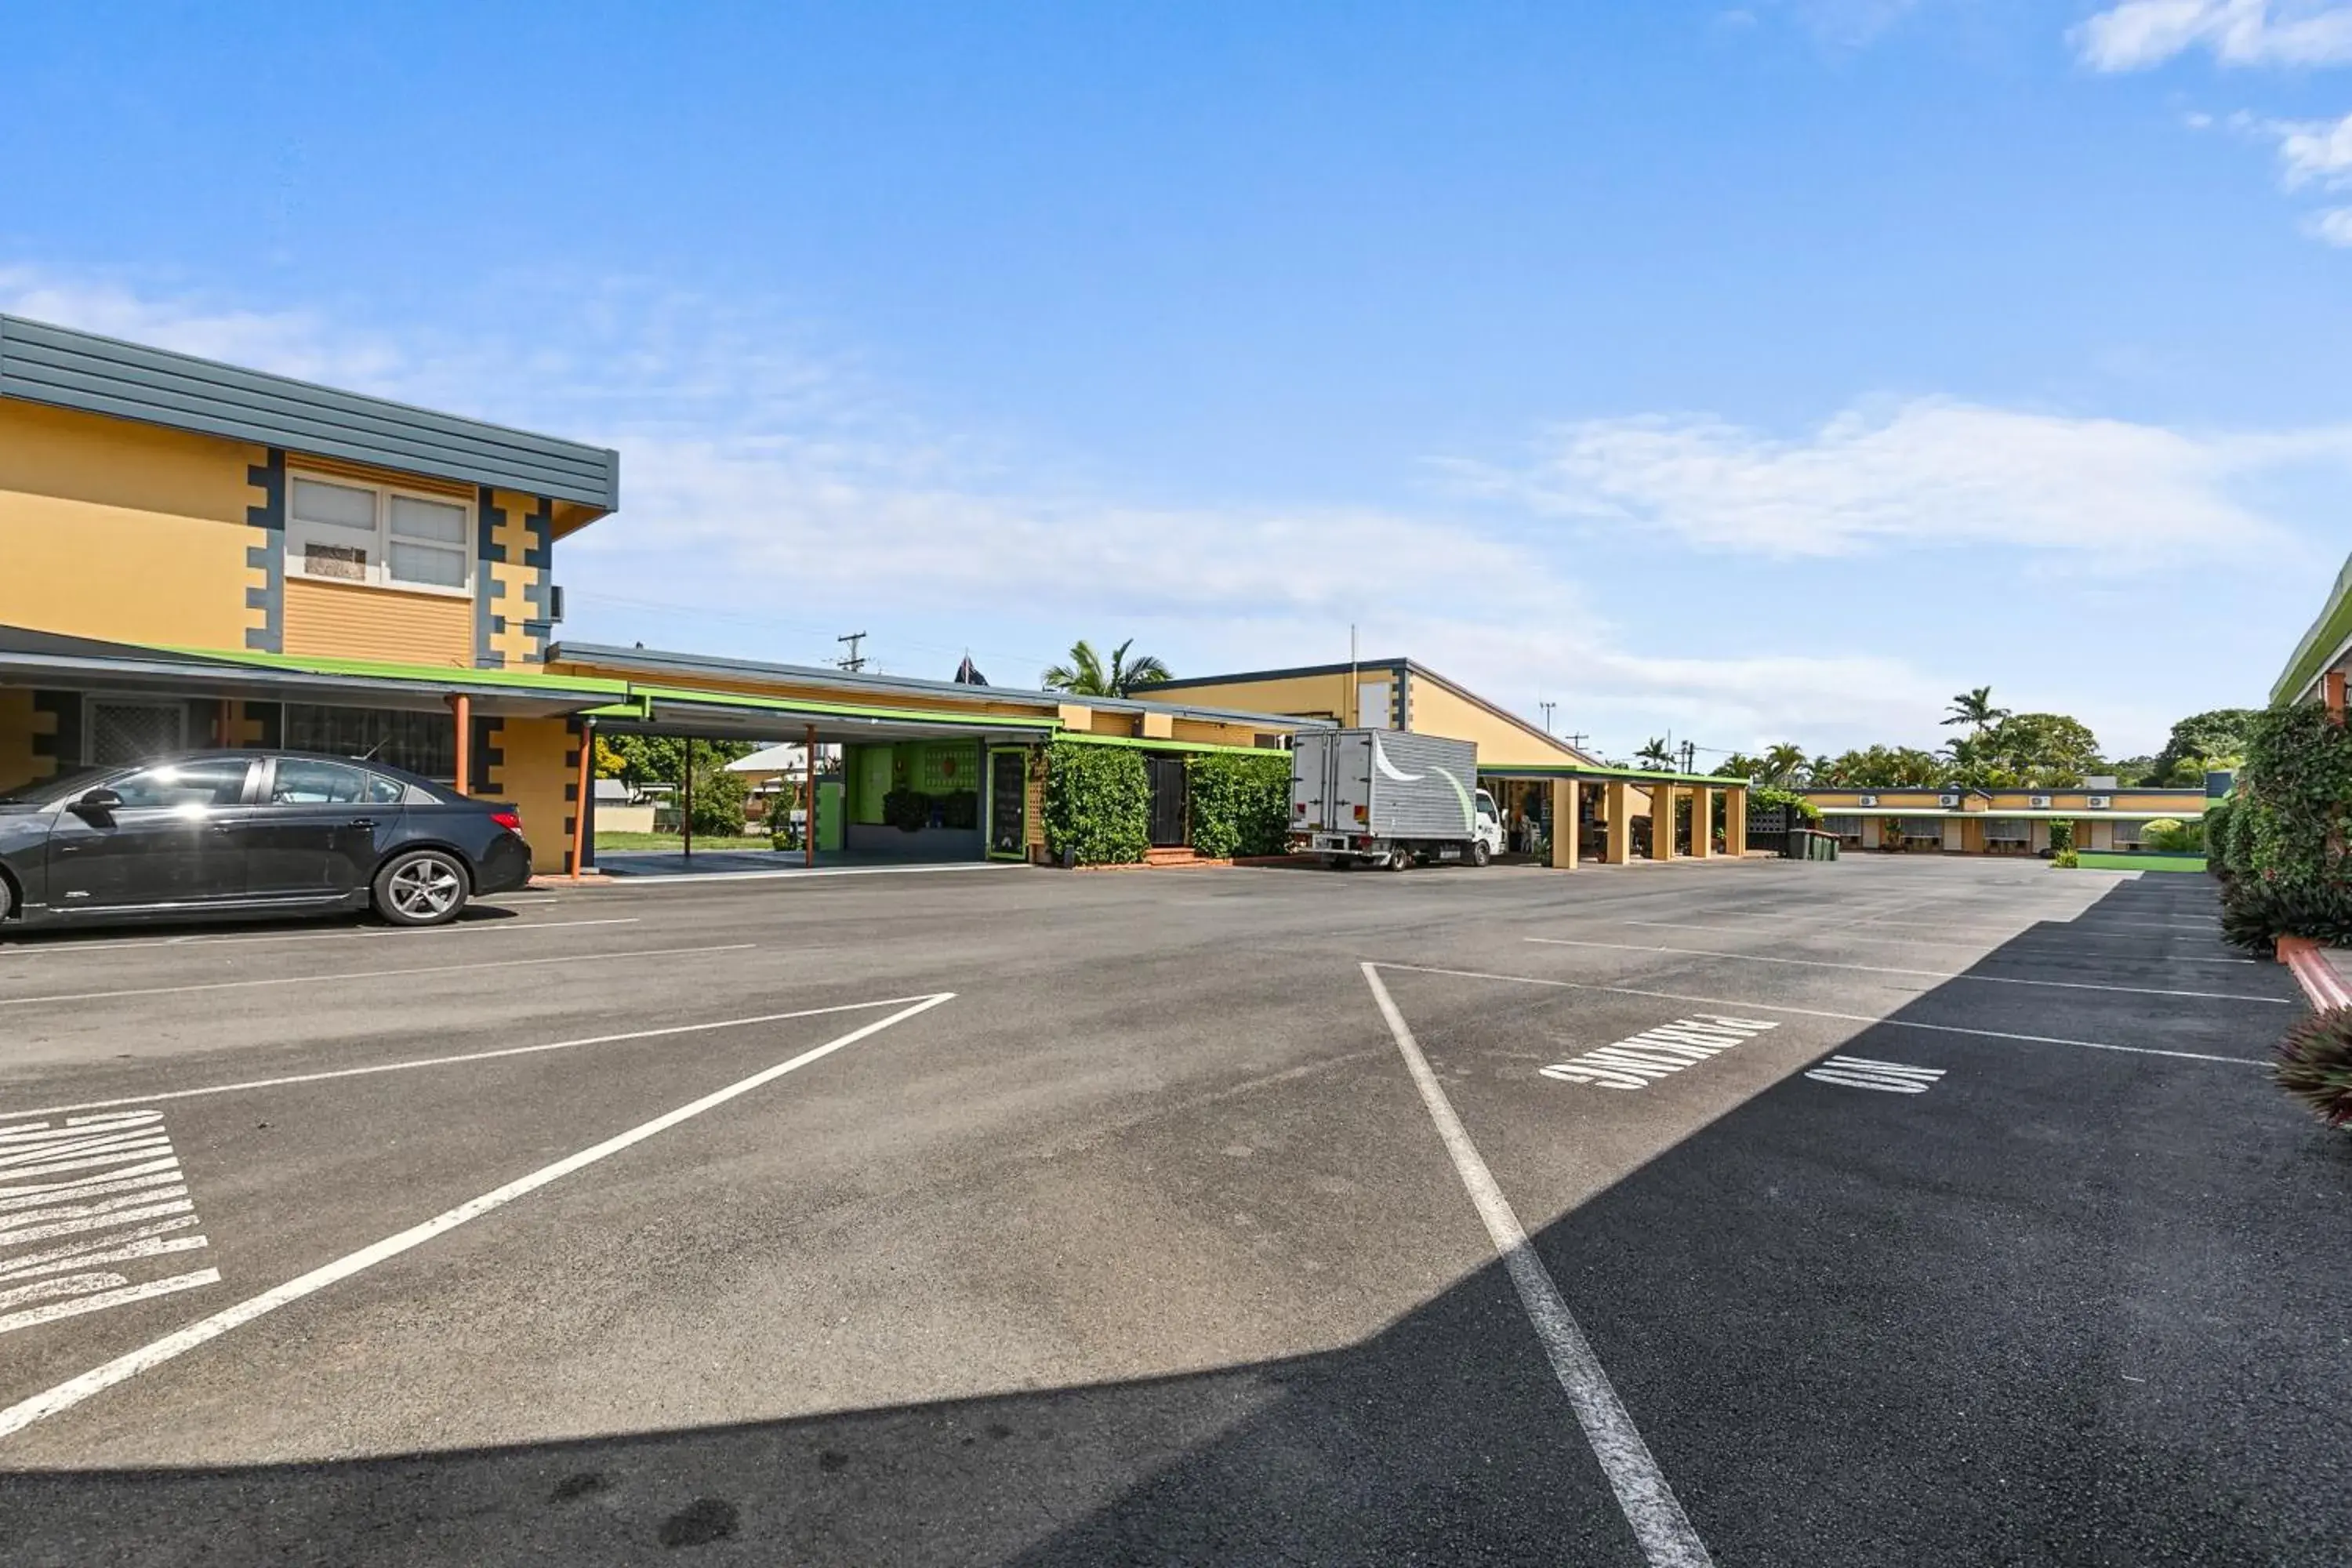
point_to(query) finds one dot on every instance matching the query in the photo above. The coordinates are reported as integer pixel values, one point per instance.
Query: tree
(1975, 710)
(2216, 736)
(1880, 767)
(1783, 765)
(1085, 676)
(1739, 764)
(1655, 751)
(2047, 748)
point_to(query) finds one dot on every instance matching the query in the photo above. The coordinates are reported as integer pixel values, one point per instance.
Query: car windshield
(58, 786)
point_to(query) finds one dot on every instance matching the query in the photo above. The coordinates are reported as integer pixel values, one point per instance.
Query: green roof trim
(1138, 744)
(839, 710)
(2331, 631)
(429, 674)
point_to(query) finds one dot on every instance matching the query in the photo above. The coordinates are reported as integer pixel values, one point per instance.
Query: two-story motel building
(197, 554)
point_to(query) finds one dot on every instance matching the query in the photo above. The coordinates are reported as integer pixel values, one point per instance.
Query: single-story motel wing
(198, 554)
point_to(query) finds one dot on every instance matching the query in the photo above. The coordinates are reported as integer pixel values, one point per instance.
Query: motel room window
(423, 743)
(2005, 833)
(338, 531)
(2128, 835)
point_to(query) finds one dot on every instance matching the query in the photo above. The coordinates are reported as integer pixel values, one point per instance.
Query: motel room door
(1008, 803)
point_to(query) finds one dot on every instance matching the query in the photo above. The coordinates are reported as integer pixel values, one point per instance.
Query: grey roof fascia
(711, 664)
(82, 371)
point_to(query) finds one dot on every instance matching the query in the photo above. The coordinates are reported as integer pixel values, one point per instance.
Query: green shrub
(1769, 795)
(1241, 804)
(2172, 835)
(2294, 812)
(2255, 913)
(1097, 804)
(2062, 838)
(2216, 831)
(2315, 1064)
(2066, 859)
(717, 800)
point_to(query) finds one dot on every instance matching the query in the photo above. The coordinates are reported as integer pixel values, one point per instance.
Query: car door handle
(363, 822)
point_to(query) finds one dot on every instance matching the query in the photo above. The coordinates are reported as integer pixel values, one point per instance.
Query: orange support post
(686, 815)
(462, 707)
(808, 798)
(580, 807)
(2332, 684)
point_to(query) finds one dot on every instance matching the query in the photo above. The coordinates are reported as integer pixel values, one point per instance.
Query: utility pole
(852, 661)
(1690, 756)
(1578, 740)
(1547, 707)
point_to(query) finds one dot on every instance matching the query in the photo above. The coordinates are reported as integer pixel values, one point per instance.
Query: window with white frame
(387, 538)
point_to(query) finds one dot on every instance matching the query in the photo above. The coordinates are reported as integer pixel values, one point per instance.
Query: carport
(1613, 814)
(917, 786)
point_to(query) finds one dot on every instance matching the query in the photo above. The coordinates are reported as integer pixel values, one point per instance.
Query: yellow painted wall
(537, 764)
(788, 690)
(512, 534)
(1112, 722)
(112, 529)
(1308, 696)
(343, 620)
(18, 724)
(1211, 733)
(1500, 742)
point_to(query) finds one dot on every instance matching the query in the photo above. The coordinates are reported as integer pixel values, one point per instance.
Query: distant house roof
(70, 369)
(612, 790)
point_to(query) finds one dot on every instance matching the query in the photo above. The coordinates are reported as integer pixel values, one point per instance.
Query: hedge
(1241, 804)
(1097, 804)
(2283, 844)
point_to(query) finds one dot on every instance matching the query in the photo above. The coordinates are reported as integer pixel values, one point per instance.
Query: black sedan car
(248, 833)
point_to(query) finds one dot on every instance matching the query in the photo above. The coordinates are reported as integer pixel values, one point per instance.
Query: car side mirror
(98, 803)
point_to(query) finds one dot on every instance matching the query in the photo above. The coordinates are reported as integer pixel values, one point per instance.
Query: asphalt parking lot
(1936, 1211)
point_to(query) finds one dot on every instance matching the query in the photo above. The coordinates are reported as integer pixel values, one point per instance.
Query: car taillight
(510, 820)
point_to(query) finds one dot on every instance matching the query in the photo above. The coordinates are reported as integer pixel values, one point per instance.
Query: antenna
(1547, 707)
(852, 661)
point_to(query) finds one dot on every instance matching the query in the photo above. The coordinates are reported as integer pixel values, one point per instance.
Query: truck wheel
(1479, 853)
(1400, 858)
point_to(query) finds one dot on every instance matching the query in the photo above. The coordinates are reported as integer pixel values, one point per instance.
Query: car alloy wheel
(423, 889)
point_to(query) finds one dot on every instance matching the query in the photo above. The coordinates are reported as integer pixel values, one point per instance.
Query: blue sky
(1748, 372)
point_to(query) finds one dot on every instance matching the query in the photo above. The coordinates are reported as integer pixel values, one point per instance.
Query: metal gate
(133, 731)
(1172, 802)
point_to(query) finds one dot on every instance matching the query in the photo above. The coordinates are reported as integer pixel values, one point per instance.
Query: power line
(851, 661)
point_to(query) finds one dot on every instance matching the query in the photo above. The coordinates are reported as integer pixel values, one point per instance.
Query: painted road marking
(479, 927)
(1660, 1525)
(1861, 1072)
(2005, 947)
(1820, 1013)
(81, 1196)
(1925, 974)
(370, 975)
(123, 1368)
(414, 1063)
(1658, 1053)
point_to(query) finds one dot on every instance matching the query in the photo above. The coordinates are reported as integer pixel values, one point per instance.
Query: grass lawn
(672, 841)
(2114, 860)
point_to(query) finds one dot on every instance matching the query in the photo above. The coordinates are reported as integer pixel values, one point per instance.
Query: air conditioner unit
(1870, 800)
(2040, 802)
(1948, 801)
(2100, 802)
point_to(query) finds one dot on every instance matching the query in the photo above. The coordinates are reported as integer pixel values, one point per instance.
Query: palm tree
(1085, 676)
(1975, 710)
(1656, 752)
(1783, 763)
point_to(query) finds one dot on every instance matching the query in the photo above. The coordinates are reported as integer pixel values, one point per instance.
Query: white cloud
(2139, 34)
(776, 494)
(2333, 227)
(2310, 152)
(1927, 473)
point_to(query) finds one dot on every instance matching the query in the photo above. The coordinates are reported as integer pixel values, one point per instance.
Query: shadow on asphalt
(2043, 1313)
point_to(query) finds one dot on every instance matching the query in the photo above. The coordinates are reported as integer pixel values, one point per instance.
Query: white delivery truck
(1384, 797)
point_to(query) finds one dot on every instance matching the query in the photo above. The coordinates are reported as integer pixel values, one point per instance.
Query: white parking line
(1650, 1506)
(1928, 973)
(99, 1379)
(479, 927)
(366, 974)
(1820, 1013)
(2003, 948)
(415, 1062)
